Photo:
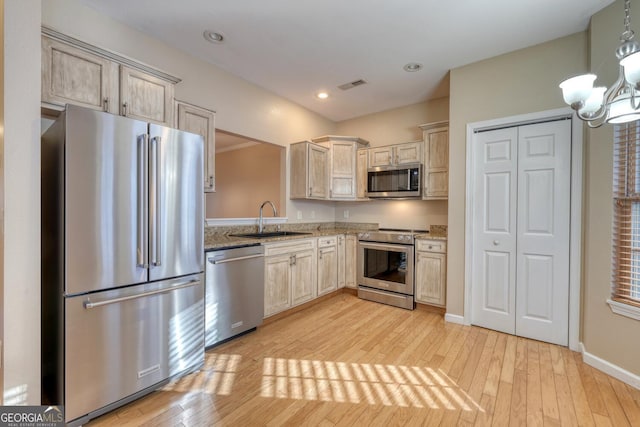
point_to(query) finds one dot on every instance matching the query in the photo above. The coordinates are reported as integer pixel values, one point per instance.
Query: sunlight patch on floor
(373, 384)
(217, 376)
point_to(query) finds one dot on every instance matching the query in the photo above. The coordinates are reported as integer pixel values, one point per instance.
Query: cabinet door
(303, 287)
(277, 284)
(343, 170)
(436, 164)
(361, 173)
(410, 152)
(382, 156)
(350, 262)
(342, 251)
(327, 269)
(430, 278)
(71, 75)
(145, 97)
(201, 121)
(318, 169)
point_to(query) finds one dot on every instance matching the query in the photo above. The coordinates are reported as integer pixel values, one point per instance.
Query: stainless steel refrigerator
(122, 260)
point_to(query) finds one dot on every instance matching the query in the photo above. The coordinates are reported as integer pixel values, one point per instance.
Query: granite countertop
(222, 237)
(436, 232)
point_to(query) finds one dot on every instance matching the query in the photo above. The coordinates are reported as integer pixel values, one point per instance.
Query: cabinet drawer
(289, 247)
(324, 242)
(438, 246)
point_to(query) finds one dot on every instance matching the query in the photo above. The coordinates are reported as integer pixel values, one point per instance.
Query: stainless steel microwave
(395, 182)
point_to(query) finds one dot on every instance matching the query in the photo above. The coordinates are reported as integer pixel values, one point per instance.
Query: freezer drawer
(123, 341)
(234, 292)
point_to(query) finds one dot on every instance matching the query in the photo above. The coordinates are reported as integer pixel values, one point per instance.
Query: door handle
(89, 305)
(156, 253)
(105, 103)
(124, 109)
(496, 242)
(225, 260)
(142, 208)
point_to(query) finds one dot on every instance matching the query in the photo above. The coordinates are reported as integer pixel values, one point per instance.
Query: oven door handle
(397, 247)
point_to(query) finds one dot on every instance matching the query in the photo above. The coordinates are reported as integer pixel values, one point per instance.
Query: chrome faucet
(275, 213)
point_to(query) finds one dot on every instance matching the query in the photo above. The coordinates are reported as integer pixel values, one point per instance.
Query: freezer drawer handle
(89, 305)
(222, 261)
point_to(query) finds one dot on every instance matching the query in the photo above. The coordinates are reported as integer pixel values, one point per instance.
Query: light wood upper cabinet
(75, 72)
(202, 122)
(145, 97)
(431, 272)
(398, 154)
(72, 75)
(309, 168)
(361, 173)
(436, 161)
(342, 164)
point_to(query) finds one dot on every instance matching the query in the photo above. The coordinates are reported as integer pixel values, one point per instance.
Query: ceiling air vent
(352, 84)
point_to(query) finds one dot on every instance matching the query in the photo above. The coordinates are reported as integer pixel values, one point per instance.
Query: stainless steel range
(385, 266)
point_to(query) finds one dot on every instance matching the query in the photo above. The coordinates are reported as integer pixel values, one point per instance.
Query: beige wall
(21, 280)
(604, 332)
(246, 178)
(392, 127)
(519, 82)
(396, 125)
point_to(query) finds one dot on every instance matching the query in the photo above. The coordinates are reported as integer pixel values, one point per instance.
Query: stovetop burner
(403, 230)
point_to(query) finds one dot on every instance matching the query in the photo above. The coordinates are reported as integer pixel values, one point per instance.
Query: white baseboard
(609, 368)
(454, 318)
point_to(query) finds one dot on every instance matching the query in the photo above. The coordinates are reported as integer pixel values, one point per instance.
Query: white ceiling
(295, 47)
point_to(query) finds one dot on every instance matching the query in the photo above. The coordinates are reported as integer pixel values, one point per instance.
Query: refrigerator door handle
(89, 305)
(142, 208)
(155, 243)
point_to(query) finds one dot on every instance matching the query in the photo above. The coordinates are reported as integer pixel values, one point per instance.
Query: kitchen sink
(264, 235)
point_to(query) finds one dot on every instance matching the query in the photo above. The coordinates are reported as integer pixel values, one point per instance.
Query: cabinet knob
(430, 246)
(105, 103)
(124, 109)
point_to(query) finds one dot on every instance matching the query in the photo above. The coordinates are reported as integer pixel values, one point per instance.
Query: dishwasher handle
(89, 305)
(240, 258)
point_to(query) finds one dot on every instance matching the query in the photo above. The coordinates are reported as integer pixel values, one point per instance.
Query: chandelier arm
(633, 99)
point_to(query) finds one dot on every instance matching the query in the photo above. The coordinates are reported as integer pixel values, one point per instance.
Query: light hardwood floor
(350, 362)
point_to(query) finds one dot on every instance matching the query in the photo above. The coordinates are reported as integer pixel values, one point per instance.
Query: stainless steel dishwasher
(234, 292)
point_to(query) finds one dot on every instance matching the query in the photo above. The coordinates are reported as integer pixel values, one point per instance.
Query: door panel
(139, 337)
(494, 268)
(176, 207)
(544, 163)
(521, 230)
(101, 203)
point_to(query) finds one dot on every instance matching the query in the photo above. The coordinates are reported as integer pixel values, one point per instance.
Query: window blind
(625, 286)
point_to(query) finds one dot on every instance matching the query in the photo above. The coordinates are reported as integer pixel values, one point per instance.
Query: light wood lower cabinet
(290, 275)
(327, 264)
(350, 262)
(431, 272)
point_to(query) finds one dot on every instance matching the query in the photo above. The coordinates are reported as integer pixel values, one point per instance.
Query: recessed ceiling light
(322, 95)
(412, 67)
(212, 36)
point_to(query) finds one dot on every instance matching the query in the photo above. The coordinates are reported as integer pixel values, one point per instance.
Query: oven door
(386, 266)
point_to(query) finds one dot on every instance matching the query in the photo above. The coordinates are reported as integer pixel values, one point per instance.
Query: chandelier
(621, 102)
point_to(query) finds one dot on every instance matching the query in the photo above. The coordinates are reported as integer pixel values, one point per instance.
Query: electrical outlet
(346, 213)
(299, 215)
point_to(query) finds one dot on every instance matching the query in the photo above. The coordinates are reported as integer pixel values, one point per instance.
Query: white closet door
(544, 170)
(494, 267)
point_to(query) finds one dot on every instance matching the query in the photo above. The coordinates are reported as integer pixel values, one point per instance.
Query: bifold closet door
(521, 230)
